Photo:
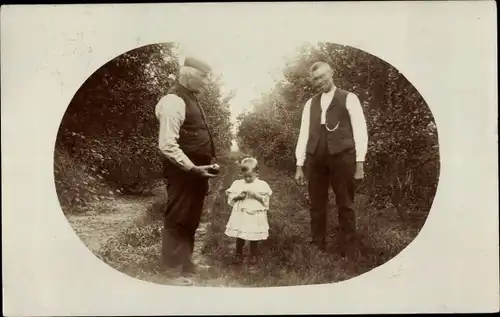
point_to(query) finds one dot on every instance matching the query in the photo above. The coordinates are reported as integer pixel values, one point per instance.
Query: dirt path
(111, 216)
(95, 229)
(198, 257)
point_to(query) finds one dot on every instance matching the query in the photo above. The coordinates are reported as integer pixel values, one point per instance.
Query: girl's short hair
(249, 164)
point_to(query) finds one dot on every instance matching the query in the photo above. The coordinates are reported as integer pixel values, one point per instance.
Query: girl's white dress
(248, 218)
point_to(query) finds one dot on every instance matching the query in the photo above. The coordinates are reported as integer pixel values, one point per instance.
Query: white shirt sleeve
(233, 191)
(170, 112)
(359, 127)
(300, 151)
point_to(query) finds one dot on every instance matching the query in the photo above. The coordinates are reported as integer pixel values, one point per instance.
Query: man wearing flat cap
(188, 150)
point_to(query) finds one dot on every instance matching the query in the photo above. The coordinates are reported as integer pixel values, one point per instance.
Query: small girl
(249, 198)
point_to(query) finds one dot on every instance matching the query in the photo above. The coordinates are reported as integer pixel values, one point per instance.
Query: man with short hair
(333, 139)
(188, 149)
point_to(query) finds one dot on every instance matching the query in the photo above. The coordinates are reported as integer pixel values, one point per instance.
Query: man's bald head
(320, 65)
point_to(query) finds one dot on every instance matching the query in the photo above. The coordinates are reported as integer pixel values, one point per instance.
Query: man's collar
(332, 91)
(182, 87)
(195, 94)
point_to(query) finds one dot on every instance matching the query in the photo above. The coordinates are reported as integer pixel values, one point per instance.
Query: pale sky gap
(248, 67)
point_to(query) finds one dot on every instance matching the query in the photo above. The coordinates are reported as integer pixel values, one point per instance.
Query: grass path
(125, 232)
(287, 259)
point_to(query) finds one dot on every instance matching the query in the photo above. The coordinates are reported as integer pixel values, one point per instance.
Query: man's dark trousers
(337, 171)
(186, 194)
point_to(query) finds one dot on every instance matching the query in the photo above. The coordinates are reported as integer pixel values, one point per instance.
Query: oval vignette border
(345, 46)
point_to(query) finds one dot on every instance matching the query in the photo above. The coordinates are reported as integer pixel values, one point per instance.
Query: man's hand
(203, 171)
(214, 169)
(299, 176)
(360, 173)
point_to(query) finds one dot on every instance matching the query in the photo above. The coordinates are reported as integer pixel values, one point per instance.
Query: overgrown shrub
(402, 164)
(77, 184)
(110, 124)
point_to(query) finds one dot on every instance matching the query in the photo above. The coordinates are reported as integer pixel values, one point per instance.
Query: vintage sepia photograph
(314, 168)
(249, 158)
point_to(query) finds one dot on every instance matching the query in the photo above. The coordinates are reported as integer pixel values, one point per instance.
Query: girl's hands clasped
(254, 195)
(241, 196)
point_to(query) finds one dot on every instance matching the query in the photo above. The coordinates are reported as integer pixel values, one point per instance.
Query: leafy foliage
(110, 124)
(78, 184)
(402, 164)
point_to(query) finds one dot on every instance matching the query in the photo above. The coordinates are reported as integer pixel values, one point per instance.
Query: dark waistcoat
(338, 124)
(194, 135)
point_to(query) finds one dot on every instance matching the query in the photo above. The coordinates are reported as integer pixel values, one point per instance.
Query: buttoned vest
(338, 126)
(194, 134)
